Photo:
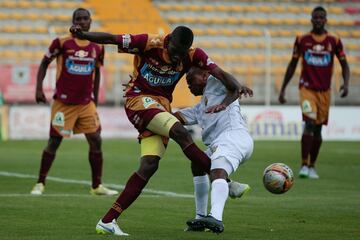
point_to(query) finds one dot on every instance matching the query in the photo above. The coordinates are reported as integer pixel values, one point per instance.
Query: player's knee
(196, 170)
(218, 173)
(317, 131)
(149, 165)
(53, 144)
(94, 141)
(180, 135)
(309, 127)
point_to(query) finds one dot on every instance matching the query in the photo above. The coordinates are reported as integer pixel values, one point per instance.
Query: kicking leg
(165, 124)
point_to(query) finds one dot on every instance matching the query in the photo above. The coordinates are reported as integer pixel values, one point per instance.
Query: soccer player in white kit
(229, 143)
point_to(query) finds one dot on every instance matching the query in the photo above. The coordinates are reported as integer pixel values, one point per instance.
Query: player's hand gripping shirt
(76, 60)
(213, 124)
(153, 73)
(317, 54)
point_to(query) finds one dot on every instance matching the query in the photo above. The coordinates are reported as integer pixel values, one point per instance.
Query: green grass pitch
(328, 208)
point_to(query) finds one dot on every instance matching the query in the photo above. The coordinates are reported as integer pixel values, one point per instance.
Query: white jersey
(213, 124)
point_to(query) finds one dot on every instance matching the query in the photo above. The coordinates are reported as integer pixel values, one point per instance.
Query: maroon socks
(46, 162)
(132, 190)
(197, 156)
(314, 152)
(96, 163)
(306, 145)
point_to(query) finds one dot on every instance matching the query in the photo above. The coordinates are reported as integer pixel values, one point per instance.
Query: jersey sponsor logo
(318, 59)
(81, 53)
(79, 69)
(59, 119)
(154, 78)
(318, 48)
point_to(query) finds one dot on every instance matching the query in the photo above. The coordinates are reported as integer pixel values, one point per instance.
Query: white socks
(201, 188)
(219, 195)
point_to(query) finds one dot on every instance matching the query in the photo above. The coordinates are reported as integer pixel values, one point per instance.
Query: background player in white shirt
(229, 143)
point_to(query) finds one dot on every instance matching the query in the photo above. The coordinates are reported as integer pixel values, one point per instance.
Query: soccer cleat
(101, 190)
(211, 223)
(194, 225)
(194, 229)
(109, 228)
(313, 174)
(38, 189)
(237, 190)
(304, 172)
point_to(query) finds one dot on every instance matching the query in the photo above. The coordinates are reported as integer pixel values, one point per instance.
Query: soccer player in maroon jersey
(317, 49)
(74, 107)
(159, 63)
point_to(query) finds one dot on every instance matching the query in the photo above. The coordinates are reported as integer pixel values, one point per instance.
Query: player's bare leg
(167, 125)
(96, 163)
(48, 156)
(181, 136)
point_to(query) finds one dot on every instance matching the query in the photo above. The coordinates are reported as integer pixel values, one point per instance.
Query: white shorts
(230, 149)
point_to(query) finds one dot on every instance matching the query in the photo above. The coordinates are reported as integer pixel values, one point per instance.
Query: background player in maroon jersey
(74, 108)
(160, 62)
(317, 50)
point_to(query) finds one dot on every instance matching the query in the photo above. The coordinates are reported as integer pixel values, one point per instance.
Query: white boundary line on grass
(88, 183)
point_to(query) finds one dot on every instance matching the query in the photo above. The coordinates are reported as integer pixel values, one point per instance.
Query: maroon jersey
(76, 61)
(153, 73)
(317, 54)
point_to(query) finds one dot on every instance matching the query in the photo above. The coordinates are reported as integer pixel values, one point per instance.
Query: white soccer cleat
(38, 189)
(109, 228)
(101, 190)
(313, 174)
(237, 190)
(304, 172)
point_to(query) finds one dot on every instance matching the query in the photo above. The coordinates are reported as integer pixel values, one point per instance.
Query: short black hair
(193, 71)
(318, 8)
(183, 36)
(77, 10)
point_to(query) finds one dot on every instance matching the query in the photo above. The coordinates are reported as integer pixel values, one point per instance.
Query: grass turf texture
(328, 208)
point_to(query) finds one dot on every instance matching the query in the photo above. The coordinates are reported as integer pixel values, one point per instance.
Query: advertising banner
(285, 122)
(265, 123)
(33, 122)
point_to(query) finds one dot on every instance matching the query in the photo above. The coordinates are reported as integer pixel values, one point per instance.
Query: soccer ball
(278, 178)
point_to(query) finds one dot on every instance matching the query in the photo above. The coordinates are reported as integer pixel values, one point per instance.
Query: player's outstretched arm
(39, 93)
(288, 75)
(97, 37)
(344, 89)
